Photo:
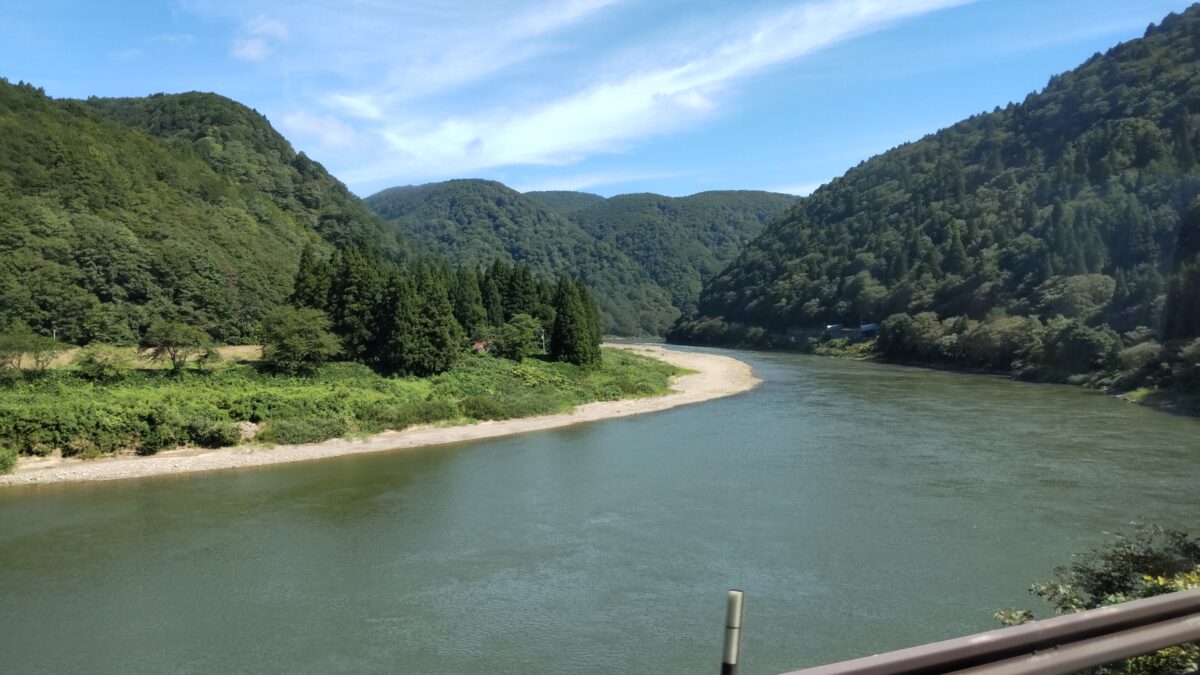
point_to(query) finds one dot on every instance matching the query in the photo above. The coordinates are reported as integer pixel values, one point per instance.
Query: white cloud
(270, 28)
(328, 131)
(177, 39)
(250, 49)
(591, 180)
(259, 38)
(800, 190)
(665, 93)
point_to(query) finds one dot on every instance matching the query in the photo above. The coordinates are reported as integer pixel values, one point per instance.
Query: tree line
(416, 319)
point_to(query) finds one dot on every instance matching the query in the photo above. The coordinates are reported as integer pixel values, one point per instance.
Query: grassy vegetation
(149, 410)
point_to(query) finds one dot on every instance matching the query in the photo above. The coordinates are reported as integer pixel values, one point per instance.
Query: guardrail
(1063, 644)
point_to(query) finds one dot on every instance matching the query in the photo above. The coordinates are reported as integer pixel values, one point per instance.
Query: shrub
(297, 340)
(104, 363)
(8, 460)
(304, 429)
(1139, 356)
(206, 433)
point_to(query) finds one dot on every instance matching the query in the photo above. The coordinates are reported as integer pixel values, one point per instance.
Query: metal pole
(733, 632)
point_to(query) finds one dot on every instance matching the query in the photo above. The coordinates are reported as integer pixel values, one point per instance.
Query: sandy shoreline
(716, 377)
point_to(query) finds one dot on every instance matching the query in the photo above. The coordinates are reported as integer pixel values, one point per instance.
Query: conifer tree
(396, 321)
(469, 309)
(437, 338)
(493, 302)
(575, 338)
(355, 294)
(311, 287)
(1182, 311)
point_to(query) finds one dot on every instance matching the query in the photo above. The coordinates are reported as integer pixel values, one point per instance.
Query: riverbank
(714, 377)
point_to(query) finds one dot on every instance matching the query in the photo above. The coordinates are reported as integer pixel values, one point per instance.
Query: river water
(862, 507)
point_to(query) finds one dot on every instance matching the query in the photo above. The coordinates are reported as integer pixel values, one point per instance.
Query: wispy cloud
(671, 91)
(583, 181)
(177, 39)
(328, 131)
(800, 189)
(443, 88)
(258, 39)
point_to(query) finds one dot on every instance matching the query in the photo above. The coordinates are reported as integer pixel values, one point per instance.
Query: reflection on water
(863, 507)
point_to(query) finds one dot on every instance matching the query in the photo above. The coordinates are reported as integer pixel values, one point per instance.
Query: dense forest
(474, 222)
(645, 255)
(1047, 237)
(564, 202)
(117, 213)
(682, 242)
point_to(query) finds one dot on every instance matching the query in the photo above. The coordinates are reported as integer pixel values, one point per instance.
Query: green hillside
(475, 222)
(682, 242)
(564, 201)
(117, 212)
(1038, 237)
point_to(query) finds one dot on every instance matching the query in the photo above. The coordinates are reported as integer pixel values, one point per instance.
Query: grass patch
(152, 410)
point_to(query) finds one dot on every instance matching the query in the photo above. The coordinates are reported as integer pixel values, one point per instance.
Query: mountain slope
(682, 242)
(563, 202)
(1065, 205)
(114, 213)
(474, 222)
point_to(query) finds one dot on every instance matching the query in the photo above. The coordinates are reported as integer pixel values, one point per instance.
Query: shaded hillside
(117, 212)
(564, 202)
(682, 242)
(1061, 213)
(475, 222)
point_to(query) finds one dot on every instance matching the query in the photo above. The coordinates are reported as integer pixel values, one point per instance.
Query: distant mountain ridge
(475, 222)
(637, 251)
(682, 242)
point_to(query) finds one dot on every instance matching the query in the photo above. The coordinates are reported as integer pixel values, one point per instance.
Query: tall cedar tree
(438, 338)
(355, 293)
(396, 319)
(575, 337)
(468, 302)
(311, 288)
(1182, 311)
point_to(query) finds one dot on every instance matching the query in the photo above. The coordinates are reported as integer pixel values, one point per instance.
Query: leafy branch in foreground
(1152, 561)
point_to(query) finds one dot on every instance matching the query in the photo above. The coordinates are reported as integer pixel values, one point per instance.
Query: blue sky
(606, 96)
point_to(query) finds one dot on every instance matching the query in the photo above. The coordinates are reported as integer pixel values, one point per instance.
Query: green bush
(304, 429)
(8, 460)
(104, 363)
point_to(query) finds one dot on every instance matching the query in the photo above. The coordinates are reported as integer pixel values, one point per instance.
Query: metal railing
(1063, 644)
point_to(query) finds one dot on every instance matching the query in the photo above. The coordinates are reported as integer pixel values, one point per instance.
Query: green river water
(862, 507)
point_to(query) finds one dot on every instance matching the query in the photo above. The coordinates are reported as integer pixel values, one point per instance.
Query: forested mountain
(117, 212)
(475, 222)
(682, 242)
(1039, 235)
(564, 202)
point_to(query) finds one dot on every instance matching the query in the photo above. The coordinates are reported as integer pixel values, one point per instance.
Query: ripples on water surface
(862, 507)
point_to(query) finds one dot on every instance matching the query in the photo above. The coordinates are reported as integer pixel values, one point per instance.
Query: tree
(313, 279)
(436, 338)
(575, 338)
(175, 342)
(518, 338)
(297, 340)
(397, 328)
(104, 363)
(355, 294)
(1152, 561)
(469, 309)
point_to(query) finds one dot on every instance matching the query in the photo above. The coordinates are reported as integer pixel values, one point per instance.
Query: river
(862, 507)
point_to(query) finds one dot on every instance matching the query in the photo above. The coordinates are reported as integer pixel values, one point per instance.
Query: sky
(603, 96)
